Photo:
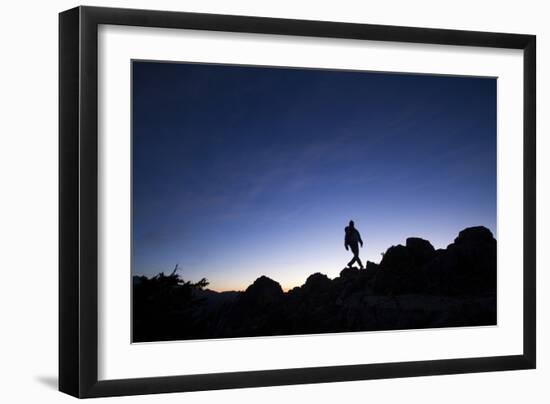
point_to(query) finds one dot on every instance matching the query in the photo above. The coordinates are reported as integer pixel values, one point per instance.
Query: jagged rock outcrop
(467, 266)
(371, 266)
(316, 283)
(414, 286)
(403, 267)
(262, 292)
(420, 250)
(350, 273)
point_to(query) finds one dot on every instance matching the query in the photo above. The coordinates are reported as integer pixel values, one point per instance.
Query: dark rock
(402, 267)
(475, 236)
(416, 253)
(420, 250)
(294, 290)
(263, 291)
(349, 273)
(371, 266)
(316, 283)
(467, 266)
(397, 258)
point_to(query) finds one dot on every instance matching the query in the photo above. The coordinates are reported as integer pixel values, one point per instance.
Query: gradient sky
(246, 171)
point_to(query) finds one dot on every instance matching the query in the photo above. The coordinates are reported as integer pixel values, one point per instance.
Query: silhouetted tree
(163, 305)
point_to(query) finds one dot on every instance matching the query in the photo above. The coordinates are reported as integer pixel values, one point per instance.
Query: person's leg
(355, 251)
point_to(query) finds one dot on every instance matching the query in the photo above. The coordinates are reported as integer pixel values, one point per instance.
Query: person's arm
(359, 237)
(346, 238)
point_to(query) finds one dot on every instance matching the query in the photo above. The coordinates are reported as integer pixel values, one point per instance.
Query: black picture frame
(78, 201)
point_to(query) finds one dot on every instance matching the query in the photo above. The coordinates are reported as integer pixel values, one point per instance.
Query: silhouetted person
(352, 240)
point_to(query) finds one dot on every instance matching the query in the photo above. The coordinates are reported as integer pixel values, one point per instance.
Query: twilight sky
(246, 171)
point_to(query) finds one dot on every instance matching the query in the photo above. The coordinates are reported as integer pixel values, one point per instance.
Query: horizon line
(287, 289)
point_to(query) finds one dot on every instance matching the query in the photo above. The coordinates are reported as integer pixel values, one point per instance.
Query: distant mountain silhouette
(414, 286)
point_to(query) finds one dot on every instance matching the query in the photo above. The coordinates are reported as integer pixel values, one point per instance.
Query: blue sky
(246, 171)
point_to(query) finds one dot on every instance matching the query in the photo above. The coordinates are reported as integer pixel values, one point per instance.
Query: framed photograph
(250, 201)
